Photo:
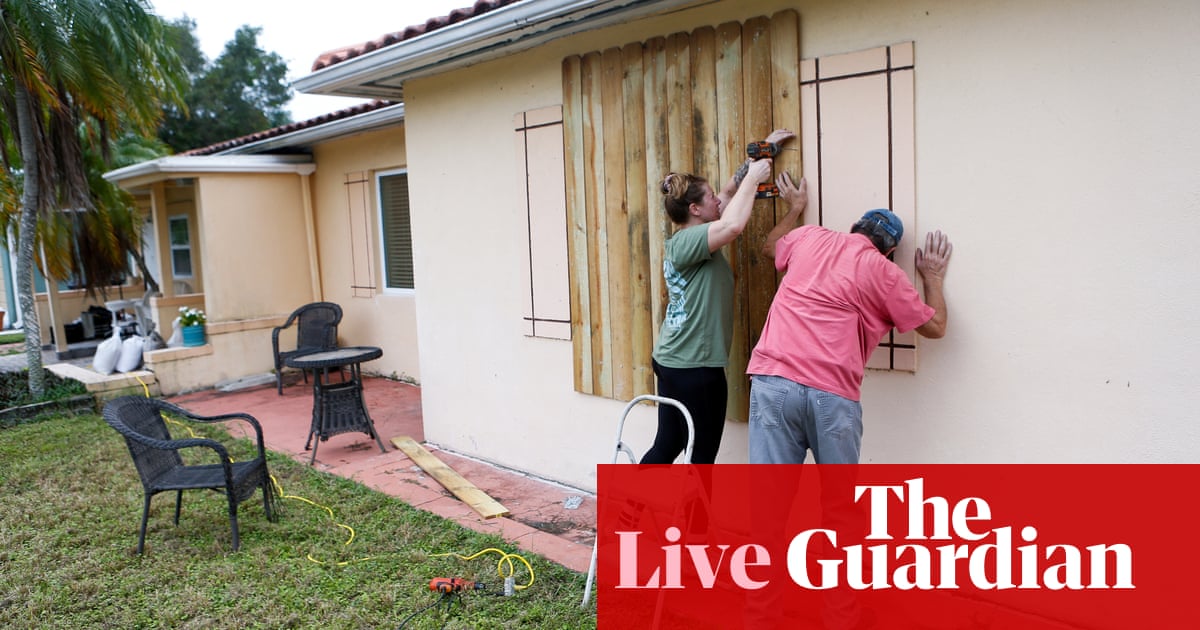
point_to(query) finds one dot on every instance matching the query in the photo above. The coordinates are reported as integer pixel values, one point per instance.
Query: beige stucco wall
(251, 231)
(1055, 143)
(384, 318)
(251, 259)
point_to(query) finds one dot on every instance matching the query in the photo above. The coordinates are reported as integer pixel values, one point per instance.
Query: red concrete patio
(539, 522)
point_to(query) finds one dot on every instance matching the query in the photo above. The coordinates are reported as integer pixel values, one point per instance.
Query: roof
(432, 24)
(227, 146)
(490, 29)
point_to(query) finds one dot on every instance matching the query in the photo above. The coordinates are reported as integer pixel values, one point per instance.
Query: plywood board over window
(687, 102)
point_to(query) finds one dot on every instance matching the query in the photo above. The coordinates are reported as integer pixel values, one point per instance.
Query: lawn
(10, 342)
(72, 505)
(14, 388)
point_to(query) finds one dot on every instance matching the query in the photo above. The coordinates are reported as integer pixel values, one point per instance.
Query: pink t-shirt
(838, 299)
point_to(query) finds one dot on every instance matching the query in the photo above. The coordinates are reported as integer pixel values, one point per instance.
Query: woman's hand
(758, 172)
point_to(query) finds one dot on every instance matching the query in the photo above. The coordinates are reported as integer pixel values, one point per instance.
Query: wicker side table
(337, 407)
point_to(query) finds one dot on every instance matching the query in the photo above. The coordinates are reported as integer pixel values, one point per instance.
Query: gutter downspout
(310, 230)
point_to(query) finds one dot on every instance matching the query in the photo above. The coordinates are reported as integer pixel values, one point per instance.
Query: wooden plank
(760, 280)
(731, 146)
(477, 499)
(616, 216)
(641, 325)
(658, 164)
(593, 144)
(731, 151)
(785, 93)
(679, 105)
(703, 62)
(577, 224)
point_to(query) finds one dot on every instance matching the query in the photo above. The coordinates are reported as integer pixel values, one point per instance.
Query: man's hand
(795, 196)
(931, 264)
(932, 261)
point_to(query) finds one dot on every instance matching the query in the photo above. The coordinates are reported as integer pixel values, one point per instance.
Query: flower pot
(193, 335)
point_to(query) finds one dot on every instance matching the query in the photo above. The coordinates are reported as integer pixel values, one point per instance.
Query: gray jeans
(787, 419)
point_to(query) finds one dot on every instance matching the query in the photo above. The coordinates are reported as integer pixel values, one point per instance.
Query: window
(395, 230)
(539, 143)
(690, 102)
(181, 246)
(686, 103)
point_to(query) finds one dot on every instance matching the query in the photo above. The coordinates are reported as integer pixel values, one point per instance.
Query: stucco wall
(385, 318)
(254, 246)
(1056, 145)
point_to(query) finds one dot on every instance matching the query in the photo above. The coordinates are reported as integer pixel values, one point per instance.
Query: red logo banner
(898, 546)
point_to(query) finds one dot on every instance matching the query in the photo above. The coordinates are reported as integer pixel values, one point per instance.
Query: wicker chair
(161, 468)
(316, 330)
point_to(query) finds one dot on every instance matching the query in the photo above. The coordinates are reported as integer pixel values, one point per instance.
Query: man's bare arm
(796, 198)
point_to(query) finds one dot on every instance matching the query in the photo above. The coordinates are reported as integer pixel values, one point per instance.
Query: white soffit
(191, 165)
(501, 32)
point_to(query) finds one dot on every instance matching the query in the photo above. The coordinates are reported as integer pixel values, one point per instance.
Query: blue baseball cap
(886, 220)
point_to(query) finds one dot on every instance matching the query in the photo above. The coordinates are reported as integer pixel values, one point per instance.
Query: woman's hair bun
(675, 185)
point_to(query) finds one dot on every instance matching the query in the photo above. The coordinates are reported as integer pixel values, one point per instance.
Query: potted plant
(192, 321)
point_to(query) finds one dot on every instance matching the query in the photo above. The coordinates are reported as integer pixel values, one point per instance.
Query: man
(839, 297)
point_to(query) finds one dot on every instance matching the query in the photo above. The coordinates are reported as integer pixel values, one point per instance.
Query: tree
(72, 72)
(244, 91)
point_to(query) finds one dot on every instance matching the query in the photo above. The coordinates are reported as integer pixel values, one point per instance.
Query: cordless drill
(453, 585)
(757, 151)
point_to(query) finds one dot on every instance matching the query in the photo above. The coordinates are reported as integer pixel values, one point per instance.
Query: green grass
(12, 336)
(71, 507)
(14, 388)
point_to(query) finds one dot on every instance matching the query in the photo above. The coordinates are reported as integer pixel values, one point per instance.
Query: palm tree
(71, 73)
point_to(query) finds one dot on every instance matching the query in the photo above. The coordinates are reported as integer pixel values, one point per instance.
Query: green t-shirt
(698, 326)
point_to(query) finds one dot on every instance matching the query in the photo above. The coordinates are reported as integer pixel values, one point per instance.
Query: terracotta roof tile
(336, 56)
(289, 128)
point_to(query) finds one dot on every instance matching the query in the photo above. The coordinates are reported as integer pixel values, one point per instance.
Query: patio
(539, 522)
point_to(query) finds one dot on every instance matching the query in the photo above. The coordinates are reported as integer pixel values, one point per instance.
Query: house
(1053, 142)
(250, 229)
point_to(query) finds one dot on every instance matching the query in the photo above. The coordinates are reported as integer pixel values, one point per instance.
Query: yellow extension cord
(505, 562)
(505, 557)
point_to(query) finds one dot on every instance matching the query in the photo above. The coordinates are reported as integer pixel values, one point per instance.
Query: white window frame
(383, 252)
(172, 246)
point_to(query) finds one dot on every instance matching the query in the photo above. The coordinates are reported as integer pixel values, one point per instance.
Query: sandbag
(176, 339)
(107, 354)
(131, 354)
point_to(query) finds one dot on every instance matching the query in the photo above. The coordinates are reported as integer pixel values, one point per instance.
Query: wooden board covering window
(687, 102)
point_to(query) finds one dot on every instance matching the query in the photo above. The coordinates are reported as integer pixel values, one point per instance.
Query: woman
(693, 345)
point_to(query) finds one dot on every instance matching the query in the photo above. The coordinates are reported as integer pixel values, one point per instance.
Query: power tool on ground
(453, 585)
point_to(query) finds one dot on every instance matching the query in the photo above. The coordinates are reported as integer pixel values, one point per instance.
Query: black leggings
(703, 391)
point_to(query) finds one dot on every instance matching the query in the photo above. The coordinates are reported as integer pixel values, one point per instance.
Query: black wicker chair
(316, 330)
(161, 468)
